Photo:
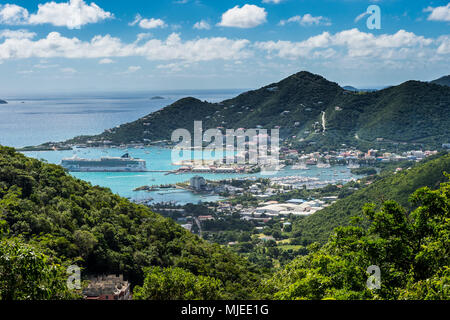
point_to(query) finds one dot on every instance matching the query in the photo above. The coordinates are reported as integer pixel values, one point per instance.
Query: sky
(148, 45)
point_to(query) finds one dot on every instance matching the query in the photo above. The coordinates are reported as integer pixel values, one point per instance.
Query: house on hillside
(108, 287)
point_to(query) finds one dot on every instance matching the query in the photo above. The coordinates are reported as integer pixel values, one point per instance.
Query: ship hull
(106, 164)
(106, 170)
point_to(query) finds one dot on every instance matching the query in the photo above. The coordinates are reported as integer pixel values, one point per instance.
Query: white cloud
(143, 36)
(16, 34)
(272, 1)
(73, 14)
(136, 20)
(399, 48)
(25, 72)
(306, 20)
(106, 61)
(249, 16)
(151, 23)
(173, 67)
(12, 14)
(439, 13)
(133, 69)
(295, 50)
(68, 70)
(444, 47)
(99, 47)
(202, 25)
(352, 44)
(45, 65)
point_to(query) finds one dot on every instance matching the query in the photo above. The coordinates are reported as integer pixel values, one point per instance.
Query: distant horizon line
(60, 93)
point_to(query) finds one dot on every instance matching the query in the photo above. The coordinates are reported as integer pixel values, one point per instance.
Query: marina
(105, 164)
(158, 164)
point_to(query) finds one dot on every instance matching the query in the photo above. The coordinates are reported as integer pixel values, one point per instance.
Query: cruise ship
(105, 164)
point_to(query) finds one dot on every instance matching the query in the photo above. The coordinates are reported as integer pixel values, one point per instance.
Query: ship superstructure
(105, 164)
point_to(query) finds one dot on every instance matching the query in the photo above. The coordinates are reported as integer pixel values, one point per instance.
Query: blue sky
(77, 45)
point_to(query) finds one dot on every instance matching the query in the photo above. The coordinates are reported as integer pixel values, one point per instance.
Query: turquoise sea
(32, 120)
(123, 183)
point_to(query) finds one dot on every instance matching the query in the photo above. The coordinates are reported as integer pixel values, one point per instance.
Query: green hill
(411, 113)
(74, 222)
(443, 81)
(407, 252)
(397, 187)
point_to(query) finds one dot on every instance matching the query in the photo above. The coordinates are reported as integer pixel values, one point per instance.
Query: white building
(197, 183)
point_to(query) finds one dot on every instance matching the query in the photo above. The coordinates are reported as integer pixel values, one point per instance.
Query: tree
(27, 274)
(85, 241)
(177, 284)
(411, 250)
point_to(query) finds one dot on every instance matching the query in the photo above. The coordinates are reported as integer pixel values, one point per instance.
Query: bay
(35, 119)
(32, 120)
(157, 158)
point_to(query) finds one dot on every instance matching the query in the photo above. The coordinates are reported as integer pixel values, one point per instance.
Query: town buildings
(108, 287)
(197, 183)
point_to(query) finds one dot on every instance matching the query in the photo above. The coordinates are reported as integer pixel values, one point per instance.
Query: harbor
(159, 164)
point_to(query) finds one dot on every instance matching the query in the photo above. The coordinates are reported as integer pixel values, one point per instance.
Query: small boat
(299, 166)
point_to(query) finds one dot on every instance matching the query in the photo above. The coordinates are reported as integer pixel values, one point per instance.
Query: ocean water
(32, 120)
(123, 183)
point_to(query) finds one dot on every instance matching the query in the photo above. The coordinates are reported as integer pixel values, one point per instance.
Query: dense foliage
(443, 81)
(28, 274)
(49, 220)
(71, 220)
(177, 284)
(398, 187)
(412, 251)
(364, 171)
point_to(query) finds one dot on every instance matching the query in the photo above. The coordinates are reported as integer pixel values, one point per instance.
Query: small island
(157, 98)
(3, 101)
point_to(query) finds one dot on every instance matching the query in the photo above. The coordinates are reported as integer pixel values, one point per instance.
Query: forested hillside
(403, 255)
(413, 113)
(49, 220)
(43, 209)
(397, 187)
(443, 81)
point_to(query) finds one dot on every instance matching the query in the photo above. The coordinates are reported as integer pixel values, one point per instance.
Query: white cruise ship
(105, 164)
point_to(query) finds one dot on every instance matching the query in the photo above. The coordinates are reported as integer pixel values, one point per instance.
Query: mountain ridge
(397, 187)
(443, 81)
(103, 233)
(296, 105)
